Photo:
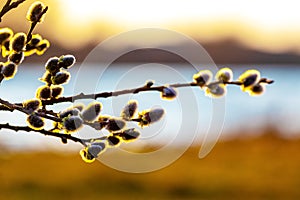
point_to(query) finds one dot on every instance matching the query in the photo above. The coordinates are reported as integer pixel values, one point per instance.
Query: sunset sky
(265, 25)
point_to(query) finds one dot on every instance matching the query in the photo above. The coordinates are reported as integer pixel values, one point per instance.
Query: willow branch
(9, 6)
(44, 111)
(11, 107)
(47, 114)
(5, 108)
(137, 90)
(50, 133)
(44, 132)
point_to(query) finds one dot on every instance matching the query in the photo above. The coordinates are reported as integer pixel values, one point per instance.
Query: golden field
(266, 167)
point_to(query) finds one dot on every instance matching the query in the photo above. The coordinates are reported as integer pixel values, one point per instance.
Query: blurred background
(256, 155)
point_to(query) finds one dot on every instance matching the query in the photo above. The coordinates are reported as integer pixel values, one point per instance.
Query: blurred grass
(259, 168)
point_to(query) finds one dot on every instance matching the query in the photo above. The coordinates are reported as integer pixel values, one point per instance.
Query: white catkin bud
(224, 75)
(257, 89)
(129, 110)
(69, 112)
(66, 61)
(203, 77)
(18, 42)
(216, 90)
(91, 112)
(16, 57)
(61, 77)
(5, 34)
(115, 124)
(86, 156)
(156, 114)
(249, 78)
(35, 122)
(43, 92)
(113, 140)
(150, 116)
(95, 150)
(129, 134)
(52, 65)
(168, 93)
(56, 91)
(32, 105)
(9, 70)
(34, 11)
(72, 123)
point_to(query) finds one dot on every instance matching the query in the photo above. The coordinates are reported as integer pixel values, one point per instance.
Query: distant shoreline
(224, 52)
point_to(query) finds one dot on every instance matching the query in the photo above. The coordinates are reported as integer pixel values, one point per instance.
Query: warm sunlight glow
(268, 14)
(268, 25)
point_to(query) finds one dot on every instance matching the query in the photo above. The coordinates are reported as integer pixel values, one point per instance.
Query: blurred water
(191, 112)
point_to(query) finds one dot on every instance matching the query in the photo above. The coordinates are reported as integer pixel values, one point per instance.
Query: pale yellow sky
(266, 25)
(264, 13)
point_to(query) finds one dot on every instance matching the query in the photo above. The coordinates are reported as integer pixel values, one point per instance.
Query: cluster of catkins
(249, 81)
(75, 117)
(116, 126)
(72, 119)
(55, 76)
(16, 46)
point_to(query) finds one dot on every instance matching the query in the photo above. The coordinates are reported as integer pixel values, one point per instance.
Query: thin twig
(50, 133)
(135, 91)
(7, 106)
(47, 114)
(44, 132)
(12, 106)
(9, 6)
